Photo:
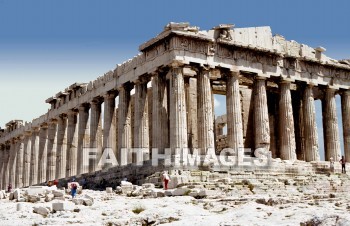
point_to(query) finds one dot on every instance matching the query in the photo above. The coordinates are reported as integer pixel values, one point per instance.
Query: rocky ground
(307, 200)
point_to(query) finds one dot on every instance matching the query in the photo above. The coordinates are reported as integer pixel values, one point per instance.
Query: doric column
(83, 139)
(141, 128)
(72, 143)
(13, 161)
(19, 163)
(286, 123)
(345, 110)
(261, 116)
(192, 115)
(109, 126)
(51, 150)
(124, 124)
(160, 114)
(42, 160)
(33, 177)
(27, 157)
(61, 153)
(310, 127)
(5, 176)
(178, 122)
(330, 126)
(2, 162)
(95, 134)
(234, 112)
(204, 111)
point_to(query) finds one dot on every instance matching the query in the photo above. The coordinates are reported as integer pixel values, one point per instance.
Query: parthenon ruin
(163, 98)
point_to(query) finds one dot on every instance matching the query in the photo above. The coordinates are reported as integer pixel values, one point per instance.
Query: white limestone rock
(181, 191)
(63, 206)
(42, 211)
(49, 197)
(58, 193)
(148, 185)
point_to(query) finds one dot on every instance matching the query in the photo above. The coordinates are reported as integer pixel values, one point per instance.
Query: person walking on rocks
(74, 188)
(166, 180)
(343, 162)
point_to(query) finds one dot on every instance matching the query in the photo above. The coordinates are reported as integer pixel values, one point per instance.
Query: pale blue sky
(47, 45)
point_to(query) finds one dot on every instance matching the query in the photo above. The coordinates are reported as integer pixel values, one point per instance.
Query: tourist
(55, 182)
(331, 160)
(166, 180)
(74, 188)
(9, 188)
(49, 183)
(342, 161)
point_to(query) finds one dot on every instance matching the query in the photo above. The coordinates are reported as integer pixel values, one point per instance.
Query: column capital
(260, 77)
(96, 100)
(233, 74)
(52, 121)
(345, 92)
(44, 125)
(84, 107)
(72, 112)
(28, 133)
(110, 95)
(126, 86)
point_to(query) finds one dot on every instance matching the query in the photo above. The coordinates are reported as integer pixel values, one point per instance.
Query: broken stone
(42, 211)
(181, 191)
(58, 193)
(62, 206)
(49, 197)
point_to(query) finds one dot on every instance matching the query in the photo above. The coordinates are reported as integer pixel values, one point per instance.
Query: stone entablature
(262, 76)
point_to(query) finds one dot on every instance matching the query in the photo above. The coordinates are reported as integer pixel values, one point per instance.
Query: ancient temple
(163, 98)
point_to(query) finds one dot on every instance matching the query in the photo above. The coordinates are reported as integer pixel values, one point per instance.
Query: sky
(45, 46)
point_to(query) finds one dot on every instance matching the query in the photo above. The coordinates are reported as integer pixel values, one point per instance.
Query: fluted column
(95, 134)
(5, 176)
(109, 126)
(261, 116)
(310, 127)
(83, 139)
(27, 157)
(124, 123)
(61, 153)
(72, 143)
(2, 158)
(204, 112)
(141, 128)
(286, 123)
(234, 112)
(178, 122)
(331, 131)
(42, 160)
(51, 150)
(345, 110)
(160, 113)
(13, 161)
(19, 163)
(33, 177)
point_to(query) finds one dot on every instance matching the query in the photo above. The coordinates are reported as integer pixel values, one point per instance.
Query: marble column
(261, 116)
(5, 176)
(19, 163)
(345, 110)
(141, 128)
(72, 143)
(2, 157)
(330, 126)
(51, 150)
(204, 112)
(234, 112)
(109, 126)
(178, 119)
(310, 127)
(95, 134)
(61, 153)
(192, 115)
(160, 113)
(42, 160)
(34, 157)
(124, 124)
(286, 123)
(13, 161)
(27, 157)
(83, 139)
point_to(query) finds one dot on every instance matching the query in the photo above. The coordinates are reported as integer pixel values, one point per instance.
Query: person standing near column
(343, 162)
